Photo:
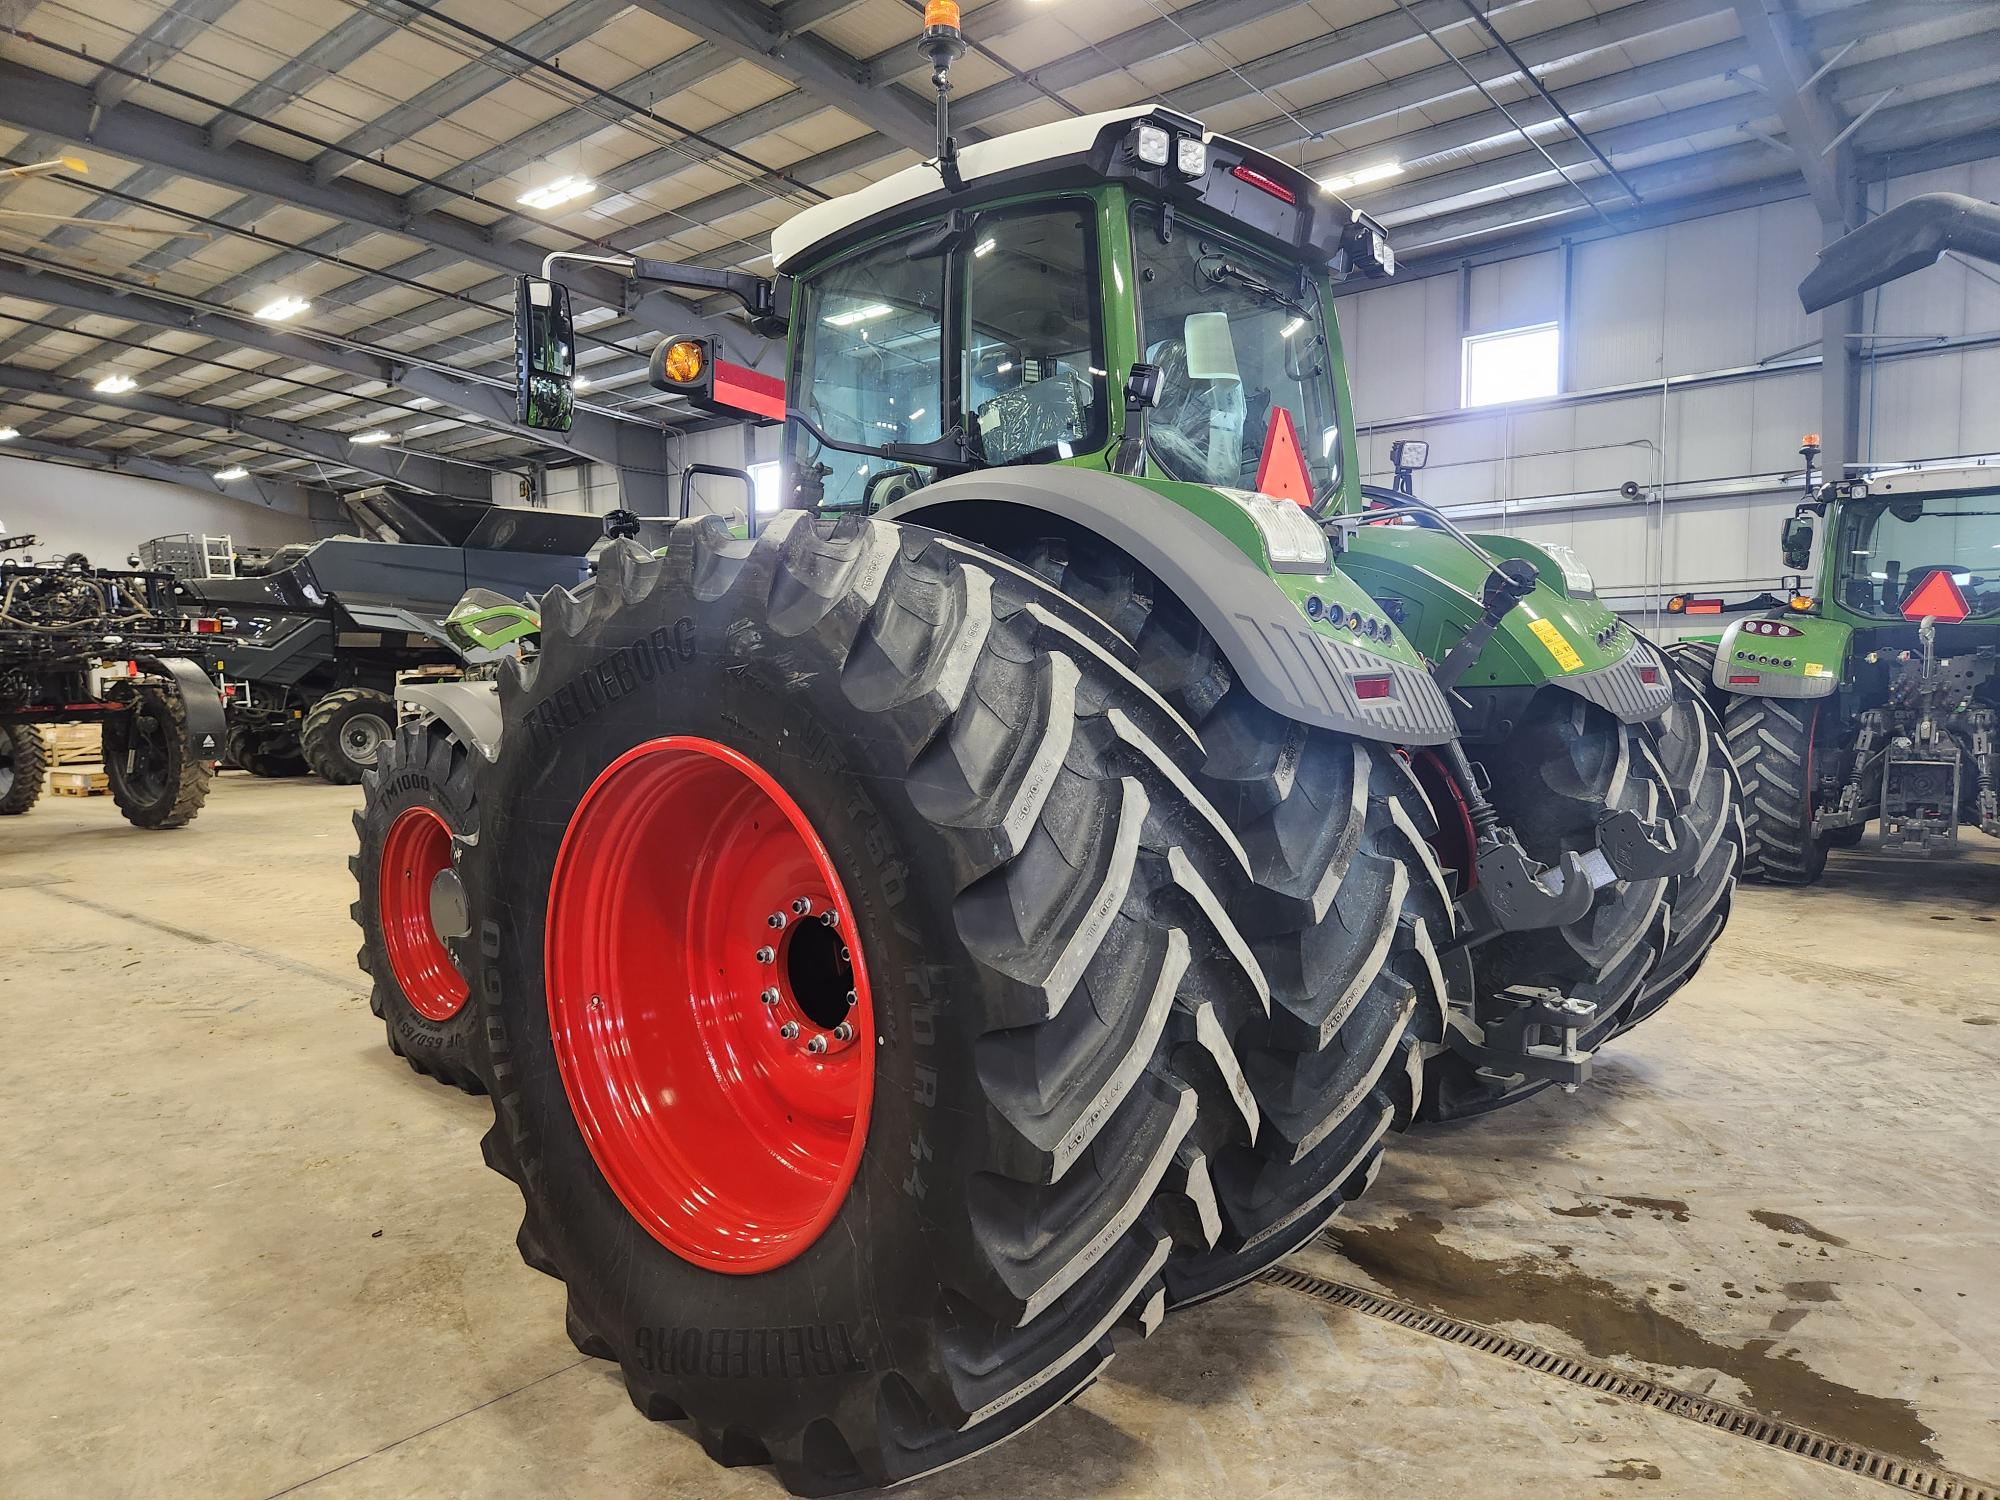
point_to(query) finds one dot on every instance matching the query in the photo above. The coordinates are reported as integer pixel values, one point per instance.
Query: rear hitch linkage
(1533, 1033)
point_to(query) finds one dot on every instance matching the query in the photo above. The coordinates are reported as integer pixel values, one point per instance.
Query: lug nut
(802, 907)
(850, 1001)
(775, 920)
(845, 956)
(770, 997)
(817, 1044)
(843, 1032)
(765, 955)
(830, 917)
(789, 1030)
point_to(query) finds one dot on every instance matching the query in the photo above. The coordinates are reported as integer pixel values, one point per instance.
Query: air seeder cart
(997, 897)
(85, 645)
(1876, 695)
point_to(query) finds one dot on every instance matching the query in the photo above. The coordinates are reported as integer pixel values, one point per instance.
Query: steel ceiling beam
(431, 475)
(627, 445)
(273, 494)
(755, 33)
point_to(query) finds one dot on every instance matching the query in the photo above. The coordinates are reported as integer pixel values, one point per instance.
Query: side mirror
(1797, 541)
(544, 356)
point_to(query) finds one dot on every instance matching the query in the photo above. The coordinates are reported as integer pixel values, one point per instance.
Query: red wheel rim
(700, 958)
(1455, 841)
(416, 851)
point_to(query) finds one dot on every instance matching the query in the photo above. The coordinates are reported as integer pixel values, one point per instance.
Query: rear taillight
(1743, 679)
(1650, 676)
(208, 627)
(1372, 687)
(1257, 179)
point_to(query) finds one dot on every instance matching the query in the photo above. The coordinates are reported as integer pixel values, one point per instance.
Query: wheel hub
(362, 737)
(709, 1005)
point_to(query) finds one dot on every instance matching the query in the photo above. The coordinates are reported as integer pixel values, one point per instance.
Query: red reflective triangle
(1938, 597)
(1282, 472)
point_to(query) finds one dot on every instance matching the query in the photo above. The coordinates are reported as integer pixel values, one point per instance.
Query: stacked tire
(890, 990)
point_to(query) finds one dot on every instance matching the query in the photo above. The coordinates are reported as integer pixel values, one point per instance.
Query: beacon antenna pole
(942, 44)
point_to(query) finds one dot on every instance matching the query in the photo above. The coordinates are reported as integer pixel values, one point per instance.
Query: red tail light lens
(1257, 179)
(1372, 687)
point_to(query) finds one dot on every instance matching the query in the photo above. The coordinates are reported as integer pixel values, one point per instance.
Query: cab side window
(1033, 376)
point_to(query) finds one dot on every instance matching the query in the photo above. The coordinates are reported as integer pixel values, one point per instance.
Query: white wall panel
(105, 515)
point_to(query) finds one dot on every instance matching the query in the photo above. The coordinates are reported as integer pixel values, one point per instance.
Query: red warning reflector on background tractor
(1282, 472)
(1937, 597)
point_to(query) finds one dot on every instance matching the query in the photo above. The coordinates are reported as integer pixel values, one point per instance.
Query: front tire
(857, 1257)
(420, 800)
(24, 765)
(154, 778)
(1771, 742)
(345, 731)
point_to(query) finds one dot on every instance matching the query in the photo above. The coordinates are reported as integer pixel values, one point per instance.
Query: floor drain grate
(1870, 1463)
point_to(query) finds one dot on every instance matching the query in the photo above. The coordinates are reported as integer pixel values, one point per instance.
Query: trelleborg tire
(1771, 742)
(155, 780)
(23, 768)
(1689, 743)
(344, 731)
(853, 970)
(1345, 917)
(420, 798)
(1551, 779)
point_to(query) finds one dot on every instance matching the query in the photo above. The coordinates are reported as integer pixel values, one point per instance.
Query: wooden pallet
(68, 744)
(82, 781)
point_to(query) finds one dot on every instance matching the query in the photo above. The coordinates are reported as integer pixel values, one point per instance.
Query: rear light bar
(208, 625)
(1257, 179)
(1770, 627)
(1685, 604)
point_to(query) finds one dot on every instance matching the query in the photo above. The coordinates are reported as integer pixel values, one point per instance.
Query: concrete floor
(247, 1253)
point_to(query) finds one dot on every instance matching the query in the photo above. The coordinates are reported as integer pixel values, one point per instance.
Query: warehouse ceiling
(392, 165)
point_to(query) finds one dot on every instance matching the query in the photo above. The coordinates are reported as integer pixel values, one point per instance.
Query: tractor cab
(1126, 291)
(1906, 546)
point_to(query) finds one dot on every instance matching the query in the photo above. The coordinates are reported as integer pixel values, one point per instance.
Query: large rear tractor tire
(345, 731)
(1345, 918)
(1552, 779)
(420, 799)
(155, 780)
(854, 970)
(24, 766)
(1689, 743)
(1771, 741)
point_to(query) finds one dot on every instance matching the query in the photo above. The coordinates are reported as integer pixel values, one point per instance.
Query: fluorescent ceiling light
(581, 383)
(115, 385)
(375, 436)
(553, 194)
(984, 247)
(1291, 328)
(8, 434)
(233, 472)
(860, 314)
(279, 309)
(1380, 172)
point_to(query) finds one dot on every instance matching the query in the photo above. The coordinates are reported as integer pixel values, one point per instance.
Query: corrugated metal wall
(1688, 369)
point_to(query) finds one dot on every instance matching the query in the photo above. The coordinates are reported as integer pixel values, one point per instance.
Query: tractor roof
(1939, 479)
(1276, 201)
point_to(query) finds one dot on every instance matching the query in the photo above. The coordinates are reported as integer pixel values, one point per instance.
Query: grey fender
(470, 710)
(1622, 688)
(1288, 666)
(200, 703)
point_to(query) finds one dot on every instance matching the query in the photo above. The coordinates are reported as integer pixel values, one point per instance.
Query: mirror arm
(760, 296)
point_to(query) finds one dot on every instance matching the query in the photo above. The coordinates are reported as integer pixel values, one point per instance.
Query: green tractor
(916, 937)
(1875, 695)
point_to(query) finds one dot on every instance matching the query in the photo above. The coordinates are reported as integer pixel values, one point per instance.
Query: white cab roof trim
(823, 221)
(1934, 481)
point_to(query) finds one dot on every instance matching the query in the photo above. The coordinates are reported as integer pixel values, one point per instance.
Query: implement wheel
(853, 969)
(420, 799)
(155, 780)
(23, 768)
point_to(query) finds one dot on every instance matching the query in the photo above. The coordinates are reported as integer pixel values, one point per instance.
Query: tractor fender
(470, 710)
(1286, 664)
(1817, 654)
(200, 702)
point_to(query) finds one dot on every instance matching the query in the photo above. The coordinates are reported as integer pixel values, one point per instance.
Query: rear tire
(1038, 896)
(24, 765)
(1689, 742)
(1566, 763)
(1771, 742)
(266, 756)
(154, 779)
(345, 731)
(1345, 919)
(420, 800)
